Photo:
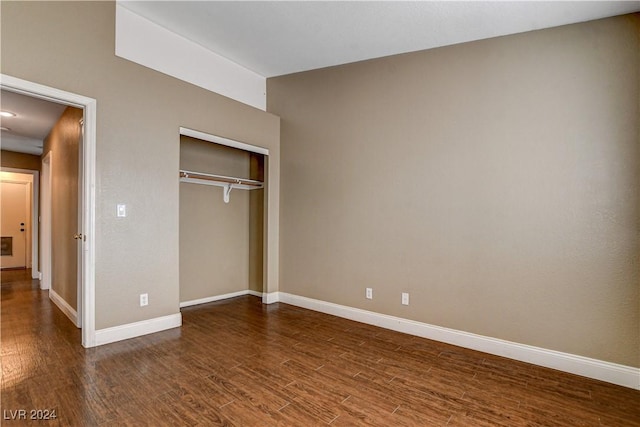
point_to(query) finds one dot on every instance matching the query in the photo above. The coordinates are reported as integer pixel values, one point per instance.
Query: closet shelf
(227, 182)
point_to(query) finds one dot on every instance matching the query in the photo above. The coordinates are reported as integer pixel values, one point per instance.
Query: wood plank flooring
(240, 363)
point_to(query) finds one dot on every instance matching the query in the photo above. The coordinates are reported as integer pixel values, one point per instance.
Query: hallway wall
(11, 159)
(63, 142)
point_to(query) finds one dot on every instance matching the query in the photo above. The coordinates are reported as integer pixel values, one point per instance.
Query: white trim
(137, 329)
(36, 90)
(626, 376)
(64, 306)
(219, 298)
(89, 224)
(149, 44)
(223, 141)
(270, 298)
(35, 203)
(45, 223)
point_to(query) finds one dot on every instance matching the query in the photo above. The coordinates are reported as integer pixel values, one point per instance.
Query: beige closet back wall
(216, 241)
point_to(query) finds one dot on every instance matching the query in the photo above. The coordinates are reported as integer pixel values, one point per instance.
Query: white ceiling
(31, 125)
(274, 38)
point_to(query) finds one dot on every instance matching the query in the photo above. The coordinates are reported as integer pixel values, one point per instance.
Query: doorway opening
(19, 219)
(84, 234)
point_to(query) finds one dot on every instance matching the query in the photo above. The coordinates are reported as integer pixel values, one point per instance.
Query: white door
(14, 222)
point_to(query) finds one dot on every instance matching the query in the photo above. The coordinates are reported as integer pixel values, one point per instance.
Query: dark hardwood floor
(238, 362)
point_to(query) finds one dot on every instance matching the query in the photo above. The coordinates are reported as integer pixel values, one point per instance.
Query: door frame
(45, 222)
(88, 193)
(35, 201)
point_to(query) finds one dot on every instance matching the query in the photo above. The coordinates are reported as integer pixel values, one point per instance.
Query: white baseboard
(36, 274)
(64, 307)
(137, 329)
(220, 297)
(272, 297)
(626, 376)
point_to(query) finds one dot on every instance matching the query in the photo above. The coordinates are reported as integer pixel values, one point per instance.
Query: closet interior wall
(221, 244)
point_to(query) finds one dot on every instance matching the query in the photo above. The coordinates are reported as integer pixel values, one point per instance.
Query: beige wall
(11, 159)
(495, 181)
(63, 144)
(70, 46)
(215, 237)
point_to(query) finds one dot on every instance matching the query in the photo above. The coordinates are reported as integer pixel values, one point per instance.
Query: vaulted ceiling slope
(274, 38)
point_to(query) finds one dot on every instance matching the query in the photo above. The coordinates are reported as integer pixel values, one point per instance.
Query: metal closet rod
(227, 182)
(192, 175)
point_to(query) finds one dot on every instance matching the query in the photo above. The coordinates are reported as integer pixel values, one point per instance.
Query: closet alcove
(221, 221)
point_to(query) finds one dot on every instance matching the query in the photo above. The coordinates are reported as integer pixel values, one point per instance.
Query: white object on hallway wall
(146, 43)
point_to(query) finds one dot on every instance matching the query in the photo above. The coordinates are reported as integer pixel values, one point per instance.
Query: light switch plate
(122, 210)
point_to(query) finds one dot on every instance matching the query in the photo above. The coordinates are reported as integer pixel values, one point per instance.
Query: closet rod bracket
(227, 192)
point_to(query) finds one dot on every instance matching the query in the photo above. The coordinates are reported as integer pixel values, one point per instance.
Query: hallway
(239, 362)
(40, 350)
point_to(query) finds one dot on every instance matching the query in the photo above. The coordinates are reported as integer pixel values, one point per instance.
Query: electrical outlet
(144, 300)
(369, 293)
(405, 298)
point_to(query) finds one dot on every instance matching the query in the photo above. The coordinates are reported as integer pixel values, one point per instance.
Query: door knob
(78, 236)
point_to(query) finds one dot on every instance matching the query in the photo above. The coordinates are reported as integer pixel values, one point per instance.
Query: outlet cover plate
(405, 298)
